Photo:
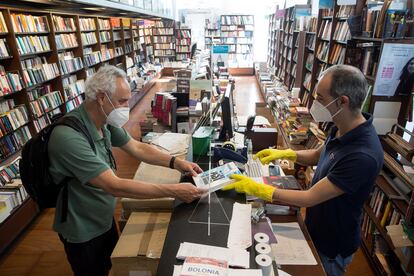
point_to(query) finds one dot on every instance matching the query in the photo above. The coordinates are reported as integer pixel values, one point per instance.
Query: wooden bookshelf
(163, 40)
(182, 43)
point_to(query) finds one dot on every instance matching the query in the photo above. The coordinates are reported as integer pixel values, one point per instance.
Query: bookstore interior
(239, 138)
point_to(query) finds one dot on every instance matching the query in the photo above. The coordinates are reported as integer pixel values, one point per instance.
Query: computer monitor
(227, 114)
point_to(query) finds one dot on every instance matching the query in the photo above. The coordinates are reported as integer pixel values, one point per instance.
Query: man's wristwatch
(172, 160)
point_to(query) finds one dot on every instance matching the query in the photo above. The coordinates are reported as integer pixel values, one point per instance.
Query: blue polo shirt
(352, 163)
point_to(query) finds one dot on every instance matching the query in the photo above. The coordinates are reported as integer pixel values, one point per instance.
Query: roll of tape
(264, 262)
(263, 248)
(229, 145)
(261, 238)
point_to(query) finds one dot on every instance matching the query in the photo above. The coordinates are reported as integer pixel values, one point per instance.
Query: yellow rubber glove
(248, 186)
(268, 155)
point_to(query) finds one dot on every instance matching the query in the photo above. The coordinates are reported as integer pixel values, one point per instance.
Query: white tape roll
(264, 262)
(263, 248)
(261, 238)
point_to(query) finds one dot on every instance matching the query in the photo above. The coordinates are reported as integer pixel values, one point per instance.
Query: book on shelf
(3, 26)
(116, 22)
(128, 48)
(13, 142)
(322, 52)
(182, 33)
(342, 32)
(91, 58)
(104, 36)
(326, 12)
(42, 122)
(88, 38)
(4, 49)
(164, 46)
(6, 105)
(72, 104)
(310, 42)
(117, 35)
(237, 19)
(87, 24)
(69, 63)
(164, 39)
(13, 119)
(325, 30)
(183, 42)
(9, 82)
(63, 24)
(164, 24)
(72, 87)
(104, 24)
(66, 41)
(337, 55)
(118, 51)
(38, 70)
(164, 52)
(309, 61)
(345, 11)
(46, 103)
(32, 44)
(35, 94)
(311, 24)
(163, 31)
(26, 23)
(106, 53)
(90, 72)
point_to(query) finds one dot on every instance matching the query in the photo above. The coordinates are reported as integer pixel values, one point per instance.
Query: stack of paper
(240, 232)
(235, 257)
(174, 143)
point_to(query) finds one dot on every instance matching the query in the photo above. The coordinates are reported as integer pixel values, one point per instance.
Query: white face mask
(118, 117)
(320, 113)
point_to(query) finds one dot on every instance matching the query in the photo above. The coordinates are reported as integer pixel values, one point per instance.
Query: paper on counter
(231, 272)
(291, 247)
(174, 143)
(235, 257)
(240, 232)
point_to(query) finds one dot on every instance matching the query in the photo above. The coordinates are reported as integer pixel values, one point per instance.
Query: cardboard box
(130, 205)
(140, 245)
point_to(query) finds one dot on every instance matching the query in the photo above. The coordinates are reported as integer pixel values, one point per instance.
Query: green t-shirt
(90, 209)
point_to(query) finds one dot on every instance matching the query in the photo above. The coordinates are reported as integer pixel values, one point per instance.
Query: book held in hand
(219, 177)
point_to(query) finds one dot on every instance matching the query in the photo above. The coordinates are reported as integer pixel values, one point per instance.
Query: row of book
(342, 32)
(72, 104)
(63, 24)
(310, 42)
(106, 53)
(46, 103)
(6, 105)
(163, 39)
(128, 48)
(13, 119)
(32, 44)
(163, 31)
(244, 49)
(87, 24)
(35, 94)
(164, 24)
(146, 40)
(327, 12)
(162, 107)
(27, 23)
(42, 122)
(182, 33)
(311, 24)
(14, 142)
(3, 26)
(104, 36)
(237, 28)
(66, 41)
(237, 34)
(4, 51)
(164, 46)
(237, 19)
(325, 30)
(119, 51)
(164, 52)
(9, 82)
(12, 195)
(92, 58)
(69, 63)
(72, 87)
(9, 172)
(309, 62)
(337, 55)
(183, 49)
(117, 35)
(181, 56)
(211, 33)
(115, 22)
(38, 70)
(104, 24)
(345, 11)
(183, 41)
(88, 38)
(127, 35)
(322, 52)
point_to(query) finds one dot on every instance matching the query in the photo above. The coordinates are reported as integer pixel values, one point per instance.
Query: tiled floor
(39, 252)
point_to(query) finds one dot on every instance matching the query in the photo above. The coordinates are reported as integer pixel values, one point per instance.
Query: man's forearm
(141, 190)
(151, 155)
(307, 157)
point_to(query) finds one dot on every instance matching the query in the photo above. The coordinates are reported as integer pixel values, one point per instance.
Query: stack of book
(104, 36)
(38, 70)
(162, 107)
(88, 38)
(104, 24)
(66, 41)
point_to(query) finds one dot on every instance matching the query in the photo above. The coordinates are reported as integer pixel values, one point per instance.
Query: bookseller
(347, 166)
(89, 233)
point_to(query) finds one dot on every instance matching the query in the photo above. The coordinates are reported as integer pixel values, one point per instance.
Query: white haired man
(347, 166)
(89, 233)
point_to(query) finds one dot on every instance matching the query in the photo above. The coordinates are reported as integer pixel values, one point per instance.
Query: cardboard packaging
(130, 205)
(140, 245)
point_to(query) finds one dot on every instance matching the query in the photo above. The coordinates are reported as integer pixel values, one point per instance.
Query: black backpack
(34, 166)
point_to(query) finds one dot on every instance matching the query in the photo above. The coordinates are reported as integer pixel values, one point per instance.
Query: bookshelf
(183, 43)
(163, 39)
(211, 34)
(145, 34)
(47, 77)
(275, 22)
(237, 32)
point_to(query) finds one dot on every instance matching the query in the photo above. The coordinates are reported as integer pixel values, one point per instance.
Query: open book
(219, 177)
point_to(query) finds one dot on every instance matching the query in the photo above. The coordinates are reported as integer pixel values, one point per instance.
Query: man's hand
(247, 185)
(186, 167)
(268, 155)
(187, 192)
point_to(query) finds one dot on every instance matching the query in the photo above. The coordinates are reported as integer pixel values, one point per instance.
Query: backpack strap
(76, 124)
